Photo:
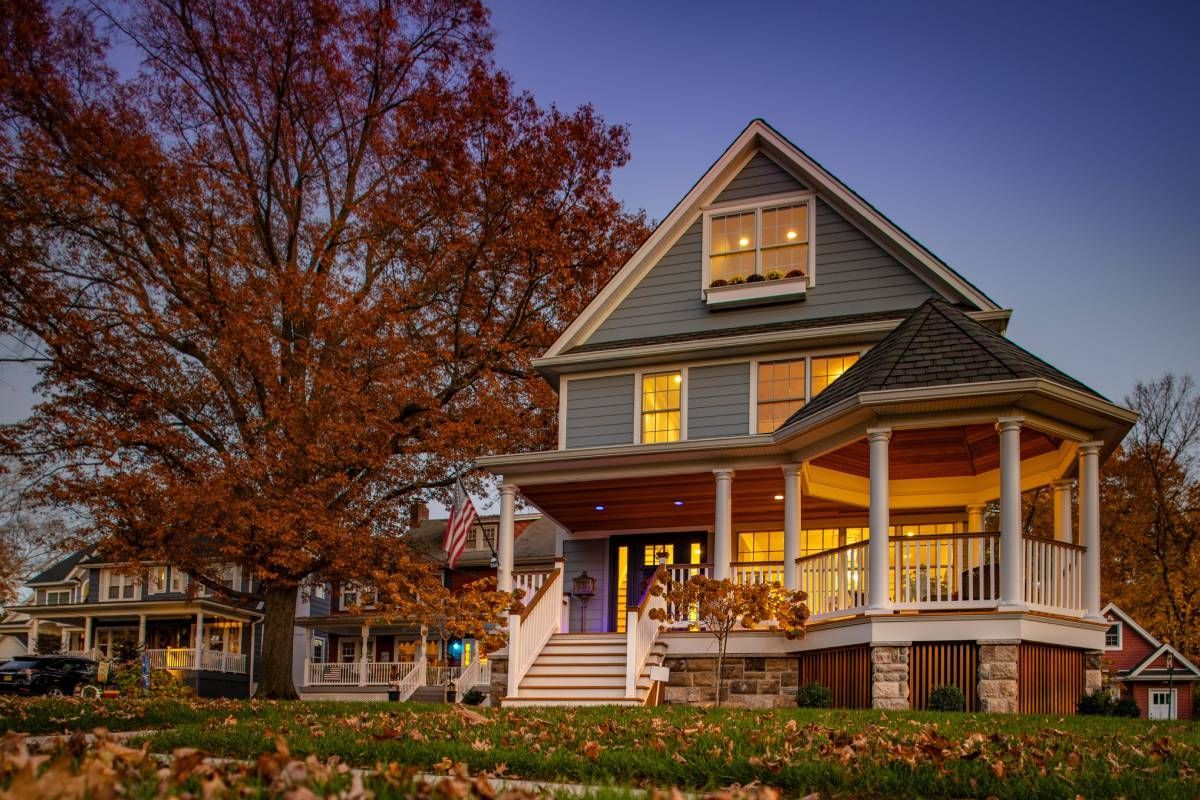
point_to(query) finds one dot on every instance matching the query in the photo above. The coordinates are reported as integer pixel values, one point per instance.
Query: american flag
(462, 517)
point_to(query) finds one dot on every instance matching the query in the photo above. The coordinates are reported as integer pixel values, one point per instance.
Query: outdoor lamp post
(583, 586)
(1171, 682)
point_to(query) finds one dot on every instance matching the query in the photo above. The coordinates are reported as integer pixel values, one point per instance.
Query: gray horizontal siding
(719, 401)
(854, 276)
(590, 555)
(761, 176)
(600, 411)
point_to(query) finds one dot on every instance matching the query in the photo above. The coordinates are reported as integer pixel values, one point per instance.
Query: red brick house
(1154, 674)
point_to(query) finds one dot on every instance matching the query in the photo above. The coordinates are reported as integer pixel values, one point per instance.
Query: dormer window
(758, 252)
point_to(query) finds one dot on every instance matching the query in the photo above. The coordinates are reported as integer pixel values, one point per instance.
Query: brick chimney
(418, 512)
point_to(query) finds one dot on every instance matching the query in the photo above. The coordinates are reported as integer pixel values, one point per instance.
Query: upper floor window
(118, 586)
(827, 369)
(751, 246)
(1112, 637)
(481, 537)
(780, 392)
(662, 393)
(58, 597)
(158, 579)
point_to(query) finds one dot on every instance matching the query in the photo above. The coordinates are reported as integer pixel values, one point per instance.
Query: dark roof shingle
(60, 570)
(937, 345)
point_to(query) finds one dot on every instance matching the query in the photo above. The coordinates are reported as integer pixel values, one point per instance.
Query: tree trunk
(275, 664)
(720, 665)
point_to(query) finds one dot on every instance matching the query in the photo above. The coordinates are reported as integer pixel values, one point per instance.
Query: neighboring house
(783, 385)
(349, 652)
(90, 607)
(1155, 675)
(14, 635)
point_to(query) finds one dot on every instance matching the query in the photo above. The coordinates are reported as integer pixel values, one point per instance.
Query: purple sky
(1047, 151)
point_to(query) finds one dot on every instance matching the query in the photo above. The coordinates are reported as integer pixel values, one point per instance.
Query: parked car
(53, 675)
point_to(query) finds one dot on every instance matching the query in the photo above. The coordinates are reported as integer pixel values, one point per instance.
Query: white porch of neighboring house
(178, 636)
(362, 658)
(877, 514)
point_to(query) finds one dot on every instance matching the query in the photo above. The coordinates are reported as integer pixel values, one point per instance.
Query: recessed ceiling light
(599, 508)
(778, 497)
(678, 502)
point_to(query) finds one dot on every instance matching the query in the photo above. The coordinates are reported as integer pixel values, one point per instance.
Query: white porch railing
(836, 580)
(320, 673)
(408, 675)
(210, 660)
(943, 571)
(641, 631)
(1053, 575)
(529, 630)
(440, 676)
(680, 573)
(530, 582)
(477, 673)
(757, 572)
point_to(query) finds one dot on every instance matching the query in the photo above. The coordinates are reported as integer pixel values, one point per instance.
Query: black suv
(46, 674)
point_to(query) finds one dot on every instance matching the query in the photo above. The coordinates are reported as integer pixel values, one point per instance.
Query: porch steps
(582, 670)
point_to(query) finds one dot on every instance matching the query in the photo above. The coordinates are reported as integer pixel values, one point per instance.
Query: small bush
(755, 278)
(774, 275)
(947, 698)
(814, 695)
(796, 273)
(1097, 704)
(1126, 707)
(736, 280)
(473, 697)
(718, 282)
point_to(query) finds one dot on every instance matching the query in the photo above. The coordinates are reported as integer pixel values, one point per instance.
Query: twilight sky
(1047, 151)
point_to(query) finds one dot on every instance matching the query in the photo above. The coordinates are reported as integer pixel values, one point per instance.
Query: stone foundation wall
(499, 687)
(746, 682)
(889, 676)
(1093, 671)
(998, 674)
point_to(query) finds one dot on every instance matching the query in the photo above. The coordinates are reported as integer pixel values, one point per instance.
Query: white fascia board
(1166, 648)
(757, 135)
(1113, 608)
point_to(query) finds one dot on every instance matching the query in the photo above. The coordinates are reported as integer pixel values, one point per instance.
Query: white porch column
(34, 628)
(975, 517)
(87, 634)
(64, 638)
(141, 639)
(365, 633)
(199, 643)
(504, 573)
(1089, 526)
(1012, 556)
(723, 524)
(308, 652)
(879, 517)
(1062, 511)
(791, 525)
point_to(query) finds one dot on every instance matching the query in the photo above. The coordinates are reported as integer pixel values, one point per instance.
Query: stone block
(779, 664)
(997, 705)
(998, 670)
(732, 671)
(705, 678)
(890, 703)
(888, 690)
(680, 678)
(751, 701)
(998, 689)
(1093, 679)
(755, 664)
(789, 680)
(768, 686)
(883, 655)
(743, 687)
(699, 664)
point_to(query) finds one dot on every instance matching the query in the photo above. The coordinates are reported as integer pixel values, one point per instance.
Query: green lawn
(835, 753)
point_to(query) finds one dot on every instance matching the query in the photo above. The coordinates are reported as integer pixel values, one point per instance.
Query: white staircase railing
(532, 627)
(529, 581)
(477, 673)
(414, 679)
(641, 631)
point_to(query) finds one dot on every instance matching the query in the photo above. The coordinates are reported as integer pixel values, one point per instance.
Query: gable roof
(756, 138)
(1143, 669)
(937, 345)
(59, 571)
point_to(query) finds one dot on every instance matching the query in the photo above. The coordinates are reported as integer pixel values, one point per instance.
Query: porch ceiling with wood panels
(955, 451)
(648, 503)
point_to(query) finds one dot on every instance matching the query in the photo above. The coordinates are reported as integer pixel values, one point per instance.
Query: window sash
(662, 404)
(722, 252)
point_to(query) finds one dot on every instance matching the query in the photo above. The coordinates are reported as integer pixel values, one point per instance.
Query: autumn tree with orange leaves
(287, 275)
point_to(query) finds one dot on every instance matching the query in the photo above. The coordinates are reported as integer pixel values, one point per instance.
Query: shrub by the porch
(947, 698)
(814, 695)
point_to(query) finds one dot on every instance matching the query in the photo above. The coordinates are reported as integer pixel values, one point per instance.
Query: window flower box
(762, 291)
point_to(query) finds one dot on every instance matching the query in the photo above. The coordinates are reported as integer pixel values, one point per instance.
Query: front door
(1162, 704)
(634, 561)
(383, 650)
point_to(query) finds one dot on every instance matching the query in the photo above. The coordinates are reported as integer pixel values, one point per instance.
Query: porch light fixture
(583, 586)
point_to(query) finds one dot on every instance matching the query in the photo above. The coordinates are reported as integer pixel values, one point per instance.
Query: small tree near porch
(719, 606)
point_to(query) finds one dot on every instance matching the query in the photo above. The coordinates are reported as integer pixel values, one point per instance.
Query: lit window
(158, 579)
(660, 407)
(816, 540)
(771, 242)
(780, 392)
(1112, 637)
(758, 546)
(827, 369)
(651, 553)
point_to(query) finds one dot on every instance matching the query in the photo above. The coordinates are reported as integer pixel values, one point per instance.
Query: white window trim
(1120, 635)
(106, 581)
(808, 356)
(758, 205)
(637, 401)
